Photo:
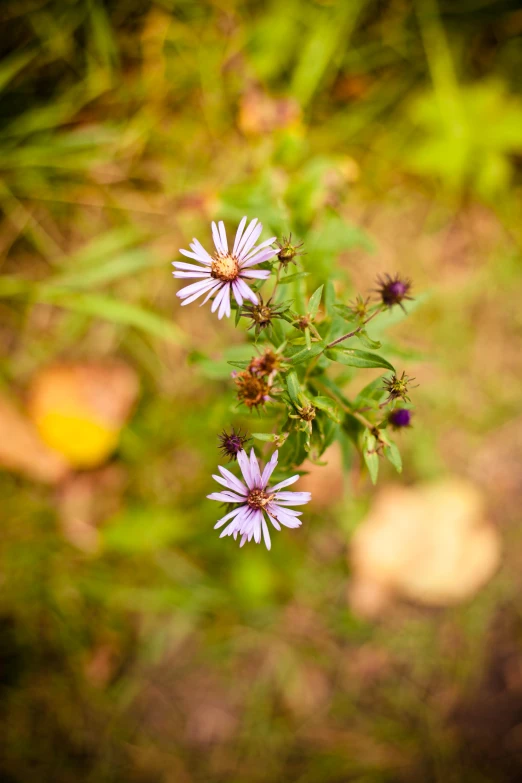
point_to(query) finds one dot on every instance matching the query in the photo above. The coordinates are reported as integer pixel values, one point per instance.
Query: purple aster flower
(255, 499)
(225, 272)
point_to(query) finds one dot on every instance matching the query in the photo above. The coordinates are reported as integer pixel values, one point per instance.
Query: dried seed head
(262, 314)
(397, 388)
(307, 412)
(288, 251)
(266, 364)
(252, 390)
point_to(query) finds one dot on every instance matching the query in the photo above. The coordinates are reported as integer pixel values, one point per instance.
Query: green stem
(355, 331)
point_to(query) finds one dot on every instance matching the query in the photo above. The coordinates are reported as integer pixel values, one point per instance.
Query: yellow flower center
(224, 268)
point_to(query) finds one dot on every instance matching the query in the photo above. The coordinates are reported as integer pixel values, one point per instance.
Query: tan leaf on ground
(79, 409)
(428, 543)
(22, 450)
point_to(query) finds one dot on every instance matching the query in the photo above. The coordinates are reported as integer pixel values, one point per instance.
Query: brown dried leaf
(428, 543)
(21, 449)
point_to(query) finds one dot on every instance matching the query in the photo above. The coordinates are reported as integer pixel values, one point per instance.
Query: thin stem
(355, 331)
(276, 282)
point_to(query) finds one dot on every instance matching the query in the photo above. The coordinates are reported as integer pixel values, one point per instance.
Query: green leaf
(351, 357)
(370, 455)
(292, 278)
(331, 409)
(315, 301)
(302, 354)
(371, 393)
(141, 530)
(367, 341)
(392, 453)
(269, 437)
(115, 311)
(336, 391)
(329, 297)
(308, 339)
(346, 313)
(294, 387)
(127, 264)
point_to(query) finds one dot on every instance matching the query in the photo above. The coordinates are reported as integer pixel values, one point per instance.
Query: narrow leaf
(392, 453)
(315, 301)
(329, 407)
(352, 357)
(292, 278)
(294, 387)
(370, 455)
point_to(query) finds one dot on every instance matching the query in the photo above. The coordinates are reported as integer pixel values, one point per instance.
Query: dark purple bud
(400, 417)
(393, 290)
(233, 443)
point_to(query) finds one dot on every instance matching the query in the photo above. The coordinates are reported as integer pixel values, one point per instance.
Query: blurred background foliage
(136, 646)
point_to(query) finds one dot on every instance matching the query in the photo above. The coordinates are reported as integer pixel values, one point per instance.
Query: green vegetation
(137, 646)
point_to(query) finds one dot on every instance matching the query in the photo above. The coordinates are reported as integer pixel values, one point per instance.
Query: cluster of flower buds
(291, 370)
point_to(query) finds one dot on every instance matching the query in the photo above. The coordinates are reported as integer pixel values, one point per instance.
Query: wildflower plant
(305, 350)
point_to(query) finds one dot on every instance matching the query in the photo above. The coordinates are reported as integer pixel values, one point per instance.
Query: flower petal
(264, 255)
(258, 521)
(246, 292)
(217, 239)
(292, 498)
(228, 516)
(269, 469)
(237, 293)
(233, 481)
(254, 470)
(189, 275)
(285, 483)
(226, 497)
(223, 235)
(273, 520)
(252, 239)
(196, 290)
(260, 274)
(239, 234)
(222, 481)
(248, 231)
(219, 284)
(218, 299)
(198, 248)
(266, 534)
(190, 267)
(225, 303)
(264, 244)
(280, 515)
(244, 464)
(195, 256)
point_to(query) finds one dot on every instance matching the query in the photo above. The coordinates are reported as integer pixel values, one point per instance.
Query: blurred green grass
(388, 136)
